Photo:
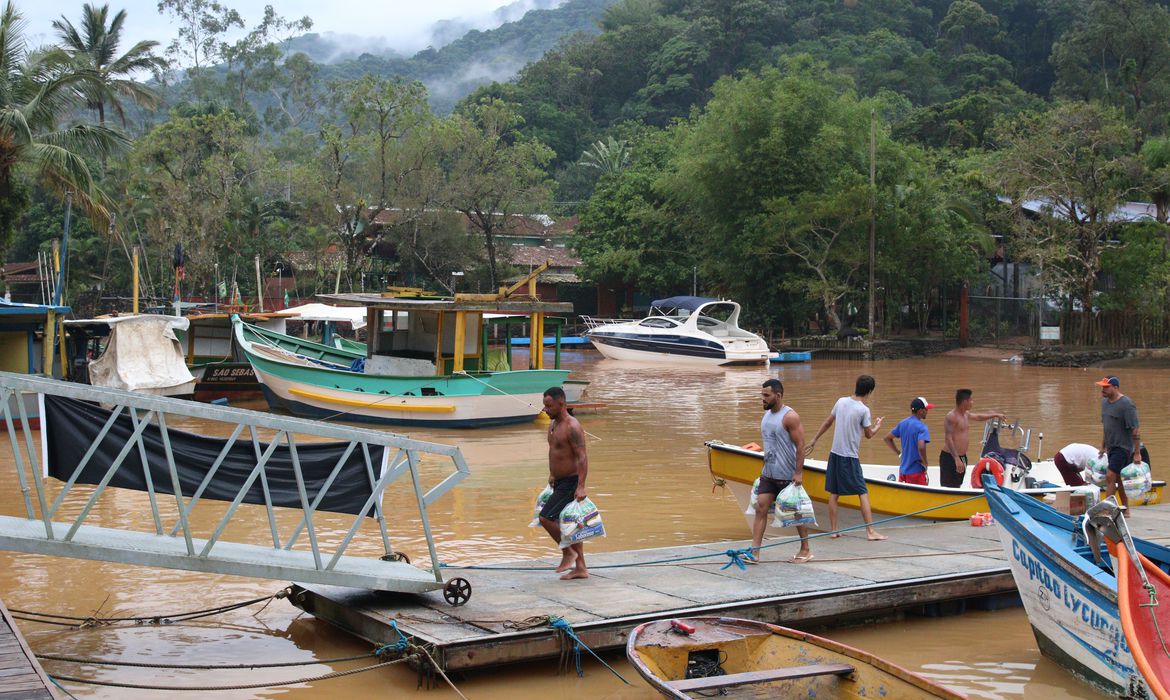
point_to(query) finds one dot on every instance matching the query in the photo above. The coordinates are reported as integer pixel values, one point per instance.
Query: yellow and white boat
(702, 657)
(736, 468)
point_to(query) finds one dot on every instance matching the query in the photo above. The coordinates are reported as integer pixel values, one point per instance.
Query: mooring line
(247, 686)
(81, 622)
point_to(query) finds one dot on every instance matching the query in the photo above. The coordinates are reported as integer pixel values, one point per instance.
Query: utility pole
(872, 214)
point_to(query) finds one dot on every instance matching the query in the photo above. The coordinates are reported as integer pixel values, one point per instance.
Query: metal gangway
(299, 543)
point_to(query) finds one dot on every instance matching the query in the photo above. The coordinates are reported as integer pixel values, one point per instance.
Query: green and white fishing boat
(427, 364)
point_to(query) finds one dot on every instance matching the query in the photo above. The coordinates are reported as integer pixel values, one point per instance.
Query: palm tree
(95, 49)
(37, 91)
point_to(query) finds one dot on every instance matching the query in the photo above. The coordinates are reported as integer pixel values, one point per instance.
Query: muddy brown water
(648, 474)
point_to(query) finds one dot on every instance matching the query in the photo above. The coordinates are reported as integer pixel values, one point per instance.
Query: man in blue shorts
(1121, 439)
(843, 474)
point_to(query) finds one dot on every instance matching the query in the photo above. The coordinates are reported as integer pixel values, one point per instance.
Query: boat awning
(178, 323)
(683, 302)
(503, 306)
(355, 315)
(8, 309)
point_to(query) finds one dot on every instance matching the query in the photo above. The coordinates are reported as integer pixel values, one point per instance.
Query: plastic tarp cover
(72, 426)
(142, 353)
(355, 315)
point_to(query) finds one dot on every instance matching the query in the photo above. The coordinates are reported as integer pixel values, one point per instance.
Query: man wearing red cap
(1121, 439)
(952, 463)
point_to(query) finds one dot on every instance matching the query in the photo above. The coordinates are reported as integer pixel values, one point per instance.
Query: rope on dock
(248, 686)
(79, 622)
(736, 555)
(565, 630)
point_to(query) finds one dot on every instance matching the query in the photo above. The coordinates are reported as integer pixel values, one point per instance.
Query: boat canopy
(354, 315)
(684, 302)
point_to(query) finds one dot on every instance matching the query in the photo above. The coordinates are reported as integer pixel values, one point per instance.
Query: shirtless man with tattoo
(568, 465)
(952, 463)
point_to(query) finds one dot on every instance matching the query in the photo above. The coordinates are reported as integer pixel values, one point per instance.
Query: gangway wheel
(396, 556)
(457, 591)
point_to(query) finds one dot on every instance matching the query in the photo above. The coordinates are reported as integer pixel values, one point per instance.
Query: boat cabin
(441, 336)
(30, 334)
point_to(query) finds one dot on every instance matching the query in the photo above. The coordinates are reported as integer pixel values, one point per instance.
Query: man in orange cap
(1121, 437)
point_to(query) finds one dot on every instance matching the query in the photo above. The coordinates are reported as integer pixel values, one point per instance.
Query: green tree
(94, 48)
(199, 172)
(198, 42)
(254, 62)
(376, 139)
(494, 174)
(629, 234)
(1075, 161)
(1119, 53)
(37, 92)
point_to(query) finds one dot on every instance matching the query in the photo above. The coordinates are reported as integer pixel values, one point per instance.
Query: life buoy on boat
(987, 464)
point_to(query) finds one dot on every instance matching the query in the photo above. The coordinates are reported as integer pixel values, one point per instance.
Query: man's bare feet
(875, 536)
(568, 559)
(835, 535)
(575, 573)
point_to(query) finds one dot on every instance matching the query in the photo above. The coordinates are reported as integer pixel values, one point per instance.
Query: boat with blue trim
(681, 330)
(1069, 588)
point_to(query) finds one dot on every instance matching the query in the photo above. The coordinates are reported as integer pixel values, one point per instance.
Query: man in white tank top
(783, 464)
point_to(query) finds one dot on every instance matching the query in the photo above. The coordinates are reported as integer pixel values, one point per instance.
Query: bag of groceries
(1098, 466)
(540, 501)
(754, 498)
(580, 521)
(1136, 479)
(794, 507)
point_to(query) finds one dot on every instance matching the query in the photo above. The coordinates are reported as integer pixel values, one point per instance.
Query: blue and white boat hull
(1070, 600)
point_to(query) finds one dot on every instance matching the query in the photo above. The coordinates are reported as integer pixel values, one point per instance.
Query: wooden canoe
(759, 660)
(1145, 619)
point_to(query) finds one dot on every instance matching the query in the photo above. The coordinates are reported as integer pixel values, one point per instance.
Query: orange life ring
(984, 465)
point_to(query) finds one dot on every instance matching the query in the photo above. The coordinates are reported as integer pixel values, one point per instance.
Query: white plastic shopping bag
(540, 501)
(580, 521)
(754, 498)
(794, 507)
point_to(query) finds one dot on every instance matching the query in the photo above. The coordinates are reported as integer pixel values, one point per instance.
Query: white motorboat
(681, 330)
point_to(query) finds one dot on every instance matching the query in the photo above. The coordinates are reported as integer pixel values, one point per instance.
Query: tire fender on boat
(987, 464)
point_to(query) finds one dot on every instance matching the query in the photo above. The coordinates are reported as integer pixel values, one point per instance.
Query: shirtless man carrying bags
(568, 465)
(952, 463)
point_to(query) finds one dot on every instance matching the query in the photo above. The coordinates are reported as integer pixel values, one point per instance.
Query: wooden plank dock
(934, 569)
(21, 675)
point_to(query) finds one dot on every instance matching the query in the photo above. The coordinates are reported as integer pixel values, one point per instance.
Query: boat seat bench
(777, 674)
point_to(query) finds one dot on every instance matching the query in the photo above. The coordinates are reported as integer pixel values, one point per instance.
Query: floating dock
(21, 675)
(929, 569)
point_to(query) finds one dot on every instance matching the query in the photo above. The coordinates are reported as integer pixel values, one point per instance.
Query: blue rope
(60, 687)
(737, 557)
(562, 625)
(675, 560)
(397, 647)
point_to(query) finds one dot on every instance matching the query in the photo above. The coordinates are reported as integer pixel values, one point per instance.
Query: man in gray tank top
(783, 464)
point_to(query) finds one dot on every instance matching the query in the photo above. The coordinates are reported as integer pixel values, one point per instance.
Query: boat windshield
(659, 322)
(716, 315)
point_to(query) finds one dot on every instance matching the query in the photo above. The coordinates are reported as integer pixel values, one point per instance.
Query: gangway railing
(130, 438)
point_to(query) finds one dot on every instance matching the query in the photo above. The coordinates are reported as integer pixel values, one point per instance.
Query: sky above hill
(402, 25)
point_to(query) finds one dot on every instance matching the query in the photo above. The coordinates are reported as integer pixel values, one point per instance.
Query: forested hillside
(742, 130)
(731, 138)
